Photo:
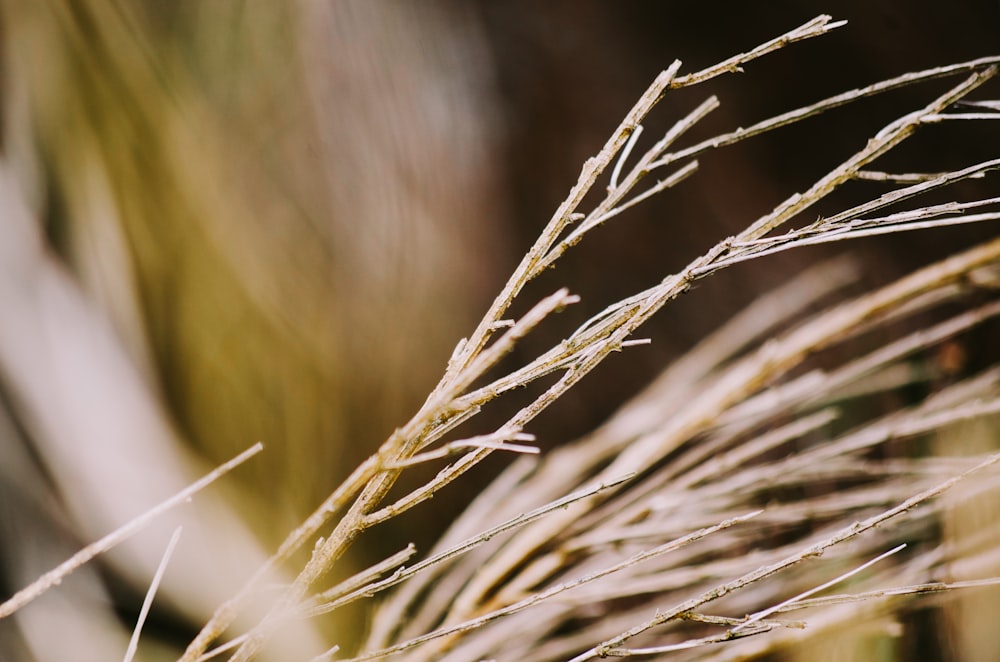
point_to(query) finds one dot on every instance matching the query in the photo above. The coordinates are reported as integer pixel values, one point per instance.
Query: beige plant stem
(933, 587)
(147, 602)
(819, 107)
(119, 535)
(884, 140)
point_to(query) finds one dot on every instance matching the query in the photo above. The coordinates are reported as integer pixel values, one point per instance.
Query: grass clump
(727, 501)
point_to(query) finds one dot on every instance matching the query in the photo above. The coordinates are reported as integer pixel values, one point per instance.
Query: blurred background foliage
(253, 193)
(287, 213)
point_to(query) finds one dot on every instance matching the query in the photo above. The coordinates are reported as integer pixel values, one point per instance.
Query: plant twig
(147, 602)
(119, 535)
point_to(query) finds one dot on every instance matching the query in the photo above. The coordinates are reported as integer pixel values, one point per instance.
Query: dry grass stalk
(119, 535)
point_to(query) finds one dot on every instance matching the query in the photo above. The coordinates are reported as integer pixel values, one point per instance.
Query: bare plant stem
(119, 535)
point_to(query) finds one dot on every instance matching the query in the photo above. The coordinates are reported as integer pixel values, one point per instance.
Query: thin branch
(814, 28)
(820, 107)
(890, 136)
(219, 650)
(326, 655)
(850, 220)
(119, 535)
(147, 602)
(897, 178)
(632, 140)
(498, 441)
(881, 226)
(944, 117)
(914, 589)
(759, 616)
(729, 635)
(363, 579)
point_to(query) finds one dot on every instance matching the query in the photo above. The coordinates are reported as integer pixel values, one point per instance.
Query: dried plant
(735, 488)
